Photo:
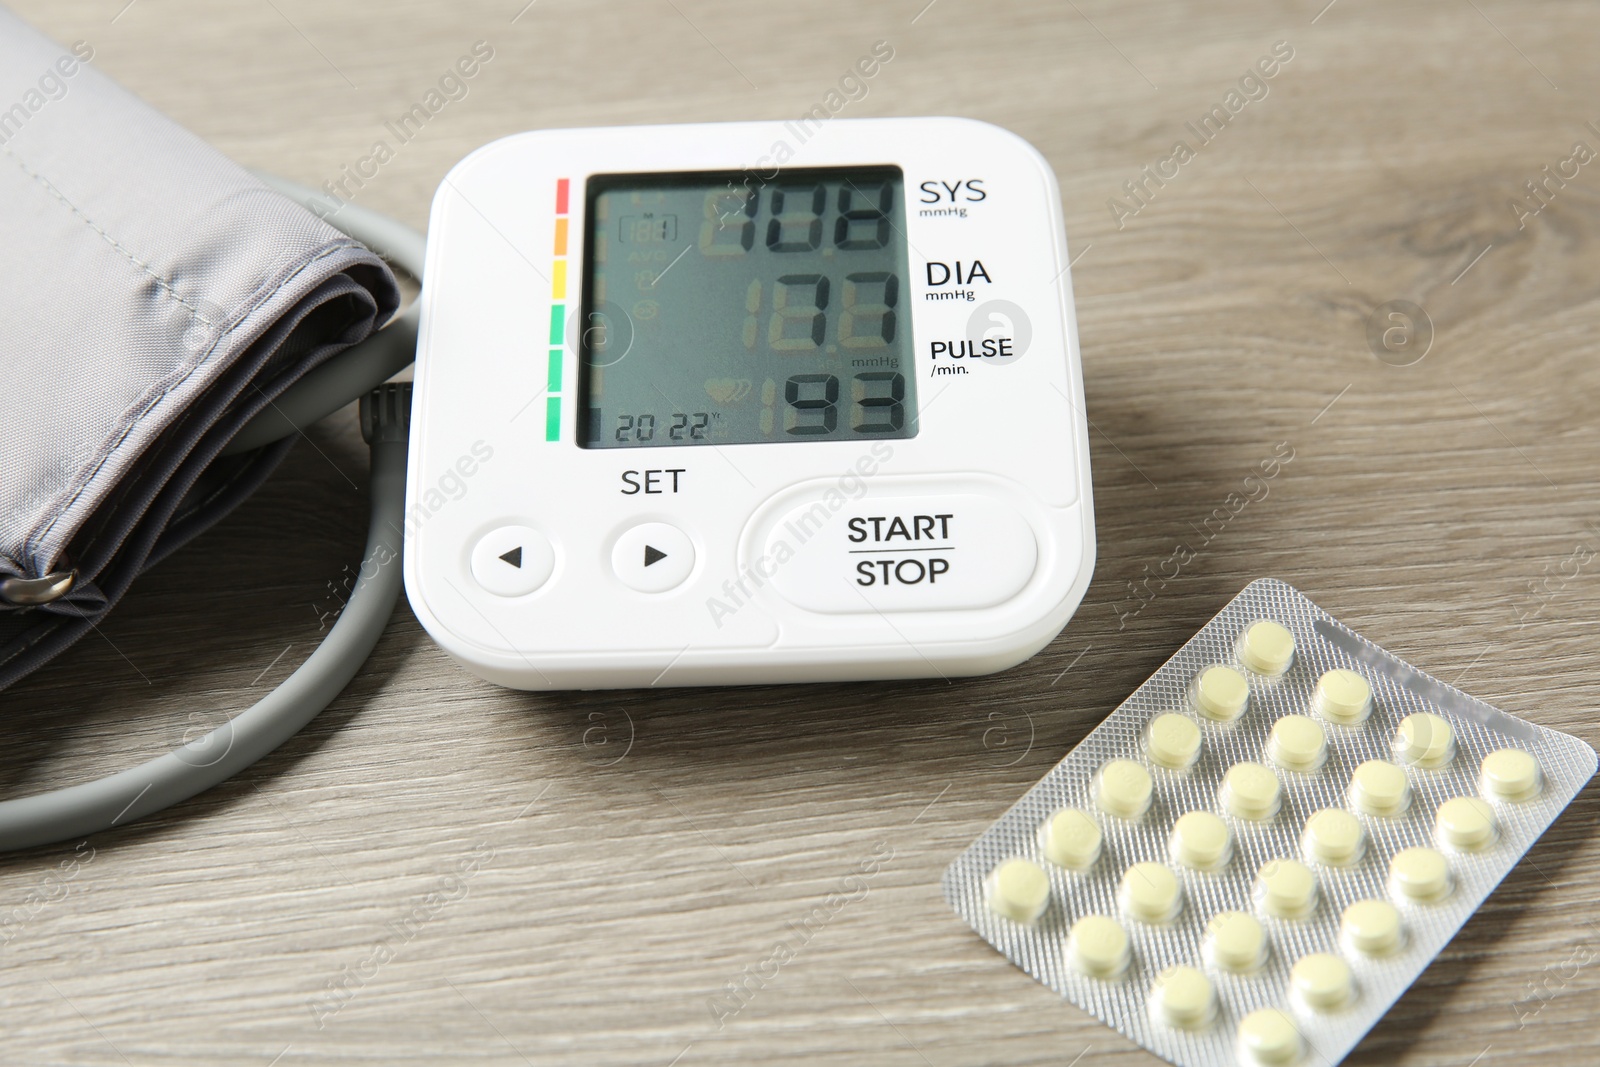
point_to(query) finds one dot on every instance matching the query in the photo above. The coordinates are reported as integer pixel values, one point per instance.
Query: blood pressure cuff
(153, 297)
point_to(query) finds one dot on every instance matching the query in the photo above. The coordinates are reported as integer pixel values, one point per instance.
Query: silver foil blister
(1321, 644)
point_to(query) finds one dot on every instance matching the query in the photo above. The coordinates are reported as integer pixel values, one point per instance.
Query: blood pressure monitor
(747, 402)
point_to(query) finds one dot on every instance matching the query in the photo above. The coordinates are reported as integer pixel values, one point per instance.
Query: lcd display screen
(720, 309)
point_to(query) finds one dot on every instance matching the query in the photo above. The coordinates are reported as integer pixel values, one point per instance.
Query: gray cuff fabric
(153, 297)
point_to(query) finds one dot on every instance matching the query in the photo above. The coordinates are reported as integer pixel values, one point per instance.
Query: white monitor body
(693, 559)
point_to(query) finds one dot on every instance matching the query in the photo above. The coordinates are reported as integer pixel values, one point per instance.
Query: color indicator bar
(558, 315)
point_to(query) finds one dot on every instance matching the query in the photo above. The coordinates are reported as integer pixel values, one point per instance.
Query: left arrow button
(531, 559)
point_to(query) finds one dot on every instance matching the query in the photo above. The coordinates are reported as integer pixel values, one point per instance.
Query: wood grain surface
(510, 878)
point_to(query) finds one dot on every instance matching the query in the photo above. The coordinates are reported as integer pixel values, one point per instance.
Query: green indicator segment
(552, 419)
(552, 405)
(554, 385)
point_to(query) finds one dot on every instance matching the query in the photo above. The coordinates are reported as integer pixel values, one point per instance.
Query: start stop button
(893, 554)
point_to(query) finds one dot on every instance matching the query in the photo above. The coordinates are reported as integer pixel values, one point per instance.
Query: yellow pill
(1510, 774)
(1250, 791)
(1343, 697)
(1322, 981)
(1221, 693)
(1070, 839)
(1297, 743)
(1018, 889)
(1266, 648)
(1200, 840)
(1097, 945)
(1236, 942)
(1124, 789)
(1268, 1038)
(1149, 892)
(1173, 741)
(1466, 823)
(1421, 874)
(1182, 997)
(1286, 889)
(1334, 836)
(1426, 740)
(1378, 787)
(1371, 927)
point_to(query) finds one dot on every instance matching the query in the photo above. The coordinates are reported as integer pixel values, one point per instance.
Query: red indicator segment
(561, 197)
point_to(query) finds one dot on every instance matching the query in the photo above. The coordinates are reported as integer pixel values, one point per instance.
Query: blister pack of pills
(1258, 851)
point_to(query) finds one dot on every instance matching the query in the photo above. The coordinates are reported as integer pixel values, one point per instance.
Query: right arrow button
(653, 557)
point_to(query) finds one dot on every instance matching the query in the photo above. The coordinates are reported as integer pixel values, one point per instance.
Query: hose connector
(386, 413)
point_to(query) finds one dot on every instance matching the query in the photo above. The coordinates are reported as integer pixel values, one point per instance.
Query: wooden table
(441, 871)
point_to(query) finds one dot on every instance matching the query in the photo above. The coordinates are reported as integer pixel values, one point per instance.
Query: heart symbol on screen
(728, 390)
